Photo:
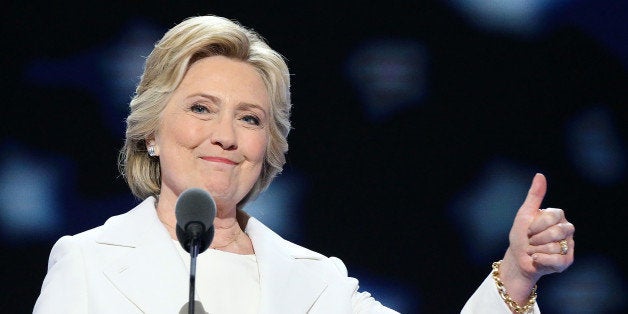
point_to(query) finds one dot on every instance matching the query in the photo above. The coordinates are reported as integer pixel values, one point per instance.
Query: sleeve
(486, 299)
(362, 302)
(64, 287)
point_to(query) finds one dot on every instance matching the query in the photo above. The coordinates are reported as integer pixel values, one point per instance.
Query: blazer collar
(148, 270)
(286, 285)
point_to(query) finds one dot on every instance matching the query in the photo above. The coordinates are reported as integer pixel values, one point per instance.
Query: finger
(535, 196)
(553, 263)
(548, 217)
(547, 248)
(551, 248)
(554, 233)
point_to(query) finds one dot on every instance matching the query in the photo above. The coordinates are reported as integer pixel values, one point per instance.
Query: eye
(251, 119)
(198, 108)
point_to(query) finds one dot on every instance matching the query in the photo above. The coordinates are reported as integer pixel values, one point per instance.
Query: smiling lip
(221, 160)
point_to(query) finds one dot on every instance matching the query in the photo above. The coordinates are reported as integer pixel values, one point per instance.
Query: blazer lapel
(149, 271)
(286, 286)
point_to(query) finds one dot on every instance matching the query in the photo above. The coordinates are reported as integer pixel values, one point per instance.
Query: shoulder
(310, 266)
(71, 245)
(265, 240)
(115, 230)
(306, 255)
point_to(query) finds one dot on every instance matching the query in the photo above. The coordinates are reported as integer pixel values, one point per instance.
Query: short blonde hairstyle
(193, 39)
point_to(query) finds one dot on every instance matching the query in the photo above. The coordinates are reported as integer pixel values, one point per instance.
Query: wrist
(515, 306)
(516, 281)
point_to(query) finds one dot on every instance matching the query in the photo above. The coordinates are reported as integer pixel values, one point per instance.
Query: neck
(228, 227)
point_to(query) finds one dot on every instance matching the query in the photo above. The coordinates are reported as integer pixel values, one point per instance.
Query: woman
(212, 111)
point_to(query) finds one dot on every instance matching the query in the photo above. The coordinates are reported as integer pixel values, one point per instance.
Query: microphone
(195, 211)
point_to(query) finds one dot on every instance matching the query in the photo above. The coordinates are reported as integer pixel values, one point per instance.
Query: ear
(149, 141)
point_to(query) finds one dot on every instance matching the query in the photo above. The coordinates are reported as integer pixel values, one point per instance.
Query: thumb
(535, 196)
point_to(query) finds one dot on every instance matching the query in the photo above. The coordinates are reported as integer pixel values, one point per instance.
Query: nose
(223, 134)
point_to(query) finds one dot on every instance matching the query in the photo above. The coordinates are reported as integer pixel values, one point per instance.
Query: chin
(222, 197)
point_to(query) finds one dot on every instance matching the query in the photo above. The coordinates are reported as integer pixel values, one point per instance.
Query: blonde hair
(194, 39)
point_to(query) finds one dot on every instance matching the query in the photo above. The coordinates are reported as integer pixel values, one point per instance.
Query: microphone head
(195, 212)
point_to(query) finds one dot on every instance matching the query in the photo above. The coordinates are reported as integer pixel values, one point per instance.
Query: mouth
(219, 160)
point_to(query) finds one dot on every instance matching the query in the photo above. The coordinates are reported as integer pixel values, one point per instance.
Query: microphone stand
(194, 246)
(195, 239)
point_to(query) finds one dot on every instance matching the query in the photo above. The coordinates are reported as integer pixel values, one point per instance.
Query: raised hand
(535, 249)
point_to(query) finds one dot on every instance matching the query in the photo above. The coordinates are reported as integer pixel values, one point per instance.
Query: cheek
(186, 137)
(258, 148)
(179, 134)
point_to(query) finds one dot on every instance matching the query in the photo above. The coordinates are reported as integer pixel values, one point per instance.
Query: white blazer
(131, 265)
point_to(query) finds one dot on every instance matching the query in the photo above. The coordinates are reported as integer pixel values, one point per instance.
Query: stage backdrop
(417, 129)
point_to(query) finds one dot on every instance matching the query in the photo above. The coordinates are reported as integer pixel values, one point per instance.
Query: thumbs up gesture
(541, 243)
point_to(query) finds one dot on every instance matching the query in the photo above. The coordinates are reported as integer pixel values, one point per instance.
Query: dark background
(385, 193)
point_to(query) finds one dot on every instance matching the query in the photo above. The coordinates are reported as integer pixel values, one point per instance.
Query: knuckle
(556, 213)
(567, 228)
(555, 233)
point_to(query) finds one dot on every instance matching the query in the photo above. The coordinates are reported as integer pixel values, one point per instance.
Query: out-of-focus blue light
(29, 193)
(279, 207)
(486, 209)
(593, 284)
(522, 17)
(595, 146)
(110, 71)
(121, 66)
(388, 75)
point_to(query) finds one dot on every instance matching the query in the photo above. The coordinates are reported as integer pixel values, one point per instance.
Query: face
(214, 130)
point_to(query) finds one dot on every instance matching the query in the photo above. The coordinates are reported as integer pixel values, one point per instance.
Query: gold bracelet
(509, 301)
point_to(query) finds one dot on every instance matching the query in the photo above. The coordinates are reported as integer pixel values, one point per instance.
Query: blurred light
(486, 209)
(590, 285)
(595, 146)
(388, 75)
(523, 17)
(279, 207)
(29, 193)
(110, 71)
(121, 67)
